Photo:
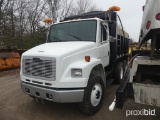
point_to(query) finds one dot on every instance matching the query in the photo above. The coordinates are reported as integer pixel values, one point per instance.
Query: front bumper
(55, 95)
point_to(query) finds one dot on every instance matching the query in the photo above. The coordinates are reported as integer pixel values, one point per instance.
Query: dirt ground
(15, 105)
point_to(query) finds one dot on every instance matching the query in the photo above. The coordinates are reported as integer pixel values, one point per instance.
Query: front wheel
(93, 96)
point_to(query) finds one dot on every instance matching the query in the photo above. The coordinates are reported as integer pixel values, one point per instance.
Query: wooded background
(21, 21)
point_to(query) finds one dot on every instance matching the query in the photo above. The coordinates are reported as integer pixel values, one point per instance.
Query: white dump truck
(83, 54)
(141, 80)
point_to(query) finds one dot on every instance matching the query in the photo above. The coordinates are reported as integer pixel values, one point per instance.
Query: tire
(124, 64)
(93, 96)
(119, 72)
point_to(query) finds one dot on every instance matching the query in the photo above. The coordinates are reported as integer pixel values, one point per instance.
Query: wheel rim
(96, 94)
(121, 74)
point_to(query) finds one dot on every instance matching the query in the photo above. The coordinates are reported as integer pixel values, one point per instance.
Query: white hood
(57, 49)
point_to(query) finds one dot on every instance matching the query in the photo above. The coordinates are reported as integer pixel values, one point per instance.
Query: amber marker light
(48, 20)
(114, 8)
(87, 58)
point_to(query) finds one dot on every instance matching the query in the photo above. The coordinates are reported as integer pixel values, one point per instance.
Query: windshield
(73, 31)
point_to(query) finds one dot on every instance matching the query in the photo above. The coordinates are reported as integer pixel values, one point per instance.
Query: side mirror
(112, 39)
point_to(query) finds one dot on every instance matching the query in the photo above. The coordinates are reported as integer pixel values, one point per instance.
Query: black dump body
(99, 14)
(119, 48)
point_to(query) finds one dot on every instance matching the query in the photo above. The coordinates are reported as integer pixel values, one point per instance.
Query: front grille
(39, 68)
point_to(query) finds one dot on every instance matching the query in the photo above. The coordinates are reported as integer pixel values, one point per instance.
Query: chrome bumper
(62, 96)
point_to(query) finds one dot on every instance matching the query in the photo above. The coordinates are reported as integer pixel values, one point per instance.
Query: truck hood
(59, 49)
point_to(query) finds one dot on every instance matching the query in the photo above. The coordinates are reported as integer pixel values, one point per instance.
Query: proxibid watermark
(141, 112)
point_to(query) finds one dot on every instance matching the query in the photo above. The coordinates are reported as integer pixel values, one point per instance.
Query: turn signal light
(87, 58)
(114, 8)
(148, 24)
(158, 16)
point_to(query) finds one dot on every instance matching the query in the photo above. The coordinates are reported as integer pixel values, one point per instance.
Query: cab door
(104, 47)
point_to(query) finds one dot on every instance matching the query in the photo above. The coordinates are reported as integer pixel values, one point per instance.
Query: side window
(104, 33)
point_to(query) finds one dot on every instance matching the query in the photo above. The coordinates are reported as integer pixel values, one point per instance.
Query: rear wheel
(93, 96)
(119, 72)
(124, 65)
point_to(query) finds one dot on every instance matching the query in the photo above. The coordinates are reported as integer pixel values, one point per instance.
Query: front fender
(86, 70)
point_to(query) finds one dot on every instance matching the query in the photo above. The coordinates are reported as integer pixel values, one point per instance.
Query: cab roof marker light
(114, 8)
(48, 20)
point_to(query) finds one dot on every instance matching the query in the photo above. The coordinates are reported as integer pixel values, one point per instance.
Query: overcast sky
(130, 14)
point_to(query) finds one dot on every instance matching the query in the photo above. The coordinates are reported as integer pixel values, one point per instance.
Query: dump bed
(104, 15)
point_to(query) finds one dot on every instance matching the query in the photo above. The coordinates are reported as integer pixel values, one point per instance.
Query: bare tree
(82, 6)
(58, 8)
(34, 12)
(54, 6)
(3, 9)
(66, 8)
(6, 18)
(20, 19)
(1, 17)
(21, 16)
(12, 19)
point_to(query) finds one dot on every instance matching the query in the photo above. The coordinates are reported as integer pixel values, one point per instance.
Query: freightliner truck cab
(81, 54)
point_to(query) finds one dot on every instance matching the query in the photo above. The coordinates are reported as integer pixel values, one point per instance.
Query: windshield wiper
(75, 36)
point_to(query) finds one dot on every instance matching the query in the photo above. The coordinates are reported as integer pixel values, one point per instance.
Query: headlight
(76, 73)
